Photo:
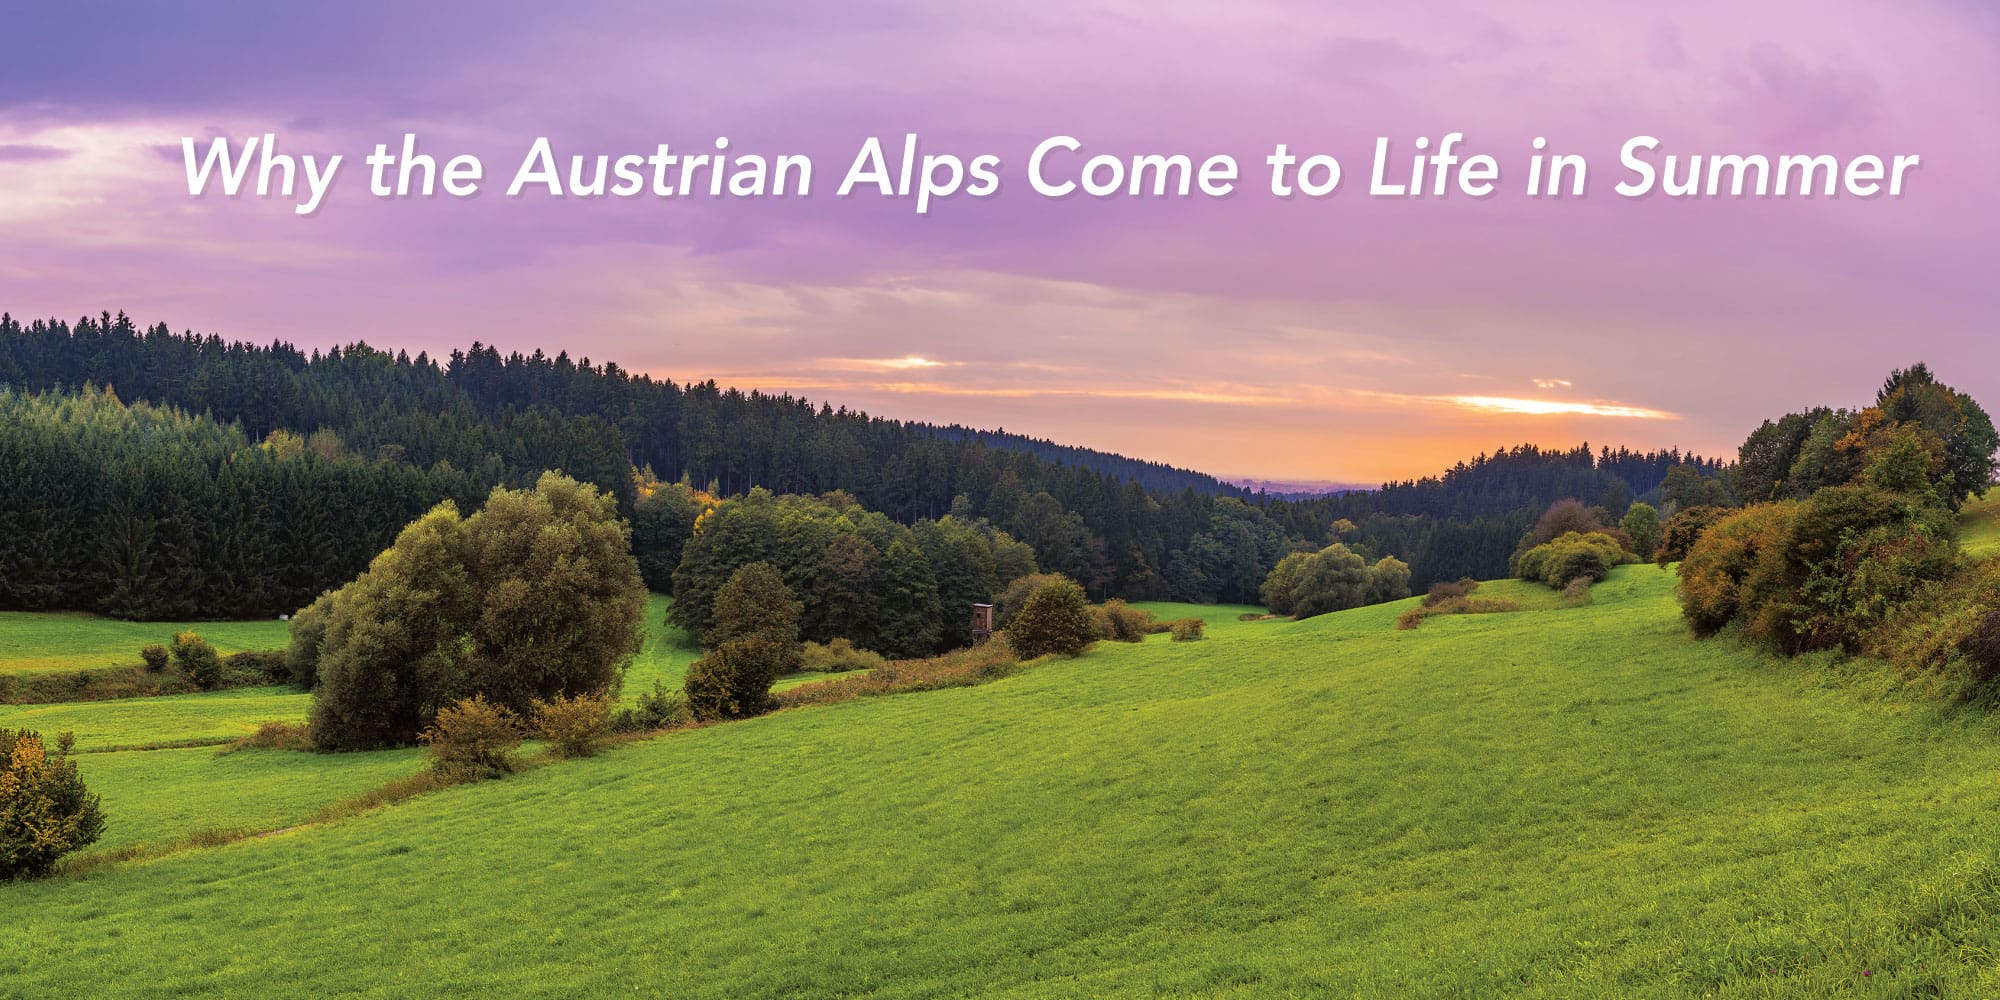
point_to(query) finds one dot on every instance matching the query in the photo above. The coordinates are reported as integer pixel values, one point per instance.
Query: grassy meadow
(1556, 802)
(34, 641)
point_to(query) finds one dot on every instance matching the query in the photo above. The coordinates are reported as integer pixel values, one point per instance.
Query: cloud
(28, 153)
(1553, 407)
(1552, 383)
(905, 363)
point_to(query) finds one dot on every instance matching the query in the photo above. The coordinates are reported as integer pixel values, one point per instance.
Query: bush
(1014, 597)
(656, 710)
(1120, 622)
(573, 724)
(1187, 629)
(1683, 530)
(1576, 593)
(966, 667)
(734, 680)
(1453, 606)
(1982, 648)
(1055, 619)
(1449, 589)
(1946, 635)
(277, 736)
(1739, 556)
(837, 656)
(1569, 557)
(195, 658)
(474, 738)
(269, 666)
(45, 810)
(155, 658)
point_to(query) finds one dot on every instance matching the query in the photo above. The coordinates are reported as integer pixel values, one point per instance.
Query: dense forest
(462, 424)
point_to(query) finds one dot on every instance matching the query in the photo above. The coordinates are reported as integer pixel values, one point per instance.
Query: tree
(45, 810)
(1054, 620)
(907, 603)
(756, 604)
(1914, 395)
(1277, 592)
(1388, 580)
(755, 641)
(535, 596)
(663, 520)
(1642, 523)
(841, 602)
(1334, 579)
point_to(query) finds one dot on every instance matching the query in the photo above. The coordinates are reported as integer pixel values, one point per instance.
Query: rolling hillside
(1555, 802)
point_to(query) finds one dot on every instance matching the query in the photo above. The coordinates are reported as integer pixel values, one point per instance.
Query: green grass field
(154, 796)
(1558, 802)
(1979, 533)
(130, 722)
(37, 641)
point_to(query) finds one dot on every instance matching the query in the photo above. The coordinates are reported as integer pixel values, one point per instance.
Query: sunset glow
(1450, 325)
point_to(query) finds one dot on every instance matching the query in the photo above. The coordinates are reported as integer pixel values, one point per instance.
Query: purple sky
(1345, 338)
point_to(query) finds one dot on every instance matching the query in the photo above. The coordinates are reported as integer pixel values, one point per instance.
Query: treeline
(1468, 521)
(1120, 527)
(596, 422)
(146, 512)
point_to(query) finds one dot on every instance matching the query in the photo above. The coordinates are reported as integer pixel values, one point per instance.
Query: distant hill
(1293, 489)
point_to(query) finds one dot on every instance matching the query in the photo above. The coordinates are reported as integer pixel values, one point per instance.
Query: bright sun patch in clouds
(1551, 407)
(905, 363)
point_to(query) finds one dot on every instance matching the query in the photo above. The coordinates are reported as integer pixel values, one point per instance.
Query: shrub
(259, 665)
(45, 810)
(966, 667)
(277, 736)
(194, 657)
(1120, 622)
(1454, 606)
(1188, 629)
(1738, 556)
(657, 709)
(1564, 517)
(1570, 556)
(837, 656)
(573, 724)
(1683, 530)
(1055, 619)
(1576, 593)
(1448, 589)
(155, 658)
(734, 680)
(474, 738)
(1981, 646)
(1014, 597)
